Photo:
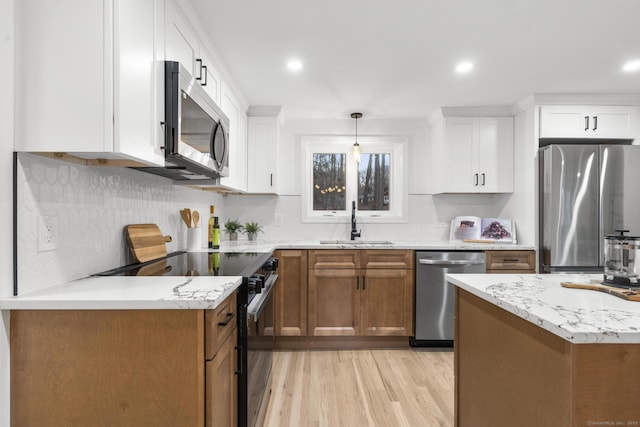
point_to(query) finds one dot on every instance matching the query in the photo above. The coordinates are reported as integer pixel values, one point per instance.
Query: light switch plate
(47, 233)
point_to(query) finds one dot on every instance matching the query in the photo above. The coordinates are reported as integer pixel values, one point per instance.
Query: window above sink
(333, 179)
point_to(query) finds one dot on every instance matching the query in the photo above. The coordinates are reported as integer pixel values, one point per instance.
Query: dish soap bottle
(211, 227)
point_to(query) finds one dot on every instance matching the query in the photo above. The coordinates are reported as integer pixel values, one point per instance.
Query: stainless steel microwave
(196, 143)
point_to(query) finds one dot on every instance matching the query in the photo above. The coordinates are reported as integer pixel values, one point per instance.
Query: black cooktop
(196, 264)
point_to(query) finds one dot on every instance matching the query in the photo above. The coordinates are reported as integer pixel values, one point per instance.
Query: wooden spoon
(186, 216)
(196, 218)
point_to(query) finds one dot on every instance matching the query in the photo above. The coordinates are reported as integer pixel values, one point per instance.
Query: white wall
(426, 212)
(6, 177)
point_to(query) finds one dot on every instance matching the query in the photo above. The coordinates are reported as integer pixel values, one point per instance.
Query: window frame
(394, 145)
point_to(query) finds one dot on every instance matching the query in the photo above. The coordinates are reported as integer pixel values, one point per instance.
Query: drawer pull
(227, 320)
(511, 260)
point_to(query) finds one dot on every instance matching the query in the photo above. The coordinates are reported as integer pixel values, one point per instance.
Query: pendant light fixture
(355, 150)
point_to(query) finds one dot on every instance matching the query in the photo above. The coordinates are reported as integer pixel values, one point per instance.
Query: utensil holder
(194, 239)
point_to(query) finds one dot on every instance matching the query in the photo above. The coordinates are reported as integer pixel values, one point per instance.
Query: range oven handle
(255, 312)
(450, 262)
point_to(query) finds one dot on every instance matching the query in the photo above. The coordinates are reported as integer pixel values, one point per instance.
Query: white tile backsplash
(93, 205)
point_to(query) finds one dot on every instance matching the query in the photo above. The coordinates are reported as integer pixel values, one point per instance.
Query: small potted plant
(252, 228)
(232, 226)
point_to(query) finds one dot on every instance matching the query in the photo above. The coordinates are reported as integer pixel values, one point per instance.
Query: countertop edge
(581, 337)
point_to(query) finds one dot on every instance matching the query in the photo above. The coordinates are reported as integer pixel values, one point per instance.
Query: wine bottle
(216, 233)
(210, 227)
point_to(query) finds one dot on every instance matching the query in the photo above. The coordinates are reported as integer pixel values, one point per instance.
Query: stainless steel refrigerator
(586, 191)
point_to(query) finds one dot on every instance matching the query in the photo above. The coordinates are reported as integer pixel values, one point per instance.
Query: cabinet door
(139, 79)
(221, 405)
(493, 155)
(63, 77)
(613, 122)
(237, 179)
(334, 302)
(460, 138)
(291, 293)
(387, 302)
(180, 43)
(211, 78)
(564, 121)
(262, 143)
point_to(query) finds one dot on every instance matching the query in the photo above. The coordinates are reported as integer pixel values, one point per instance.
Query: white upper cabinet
(264, 134)
(89, 78)
(472, 155)
(578, 121)
(237, 179)
(184, 46)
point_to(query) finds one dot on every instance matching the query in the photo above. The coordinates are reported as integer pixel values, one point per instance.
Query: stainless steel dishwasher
(435, 298)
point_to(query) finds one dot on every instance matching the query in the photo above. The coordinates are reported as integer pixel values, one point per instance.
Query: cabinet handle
(204, 67)
(227, 320)
(595, 122)
(364, 282)
(483, 179)
(475, 178)
(357, 282)
(271, 179)
(199, 61)
(586, 123)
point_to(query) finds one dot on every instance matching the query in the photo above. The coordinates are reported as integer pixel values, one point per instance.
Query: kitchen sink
(355, 242)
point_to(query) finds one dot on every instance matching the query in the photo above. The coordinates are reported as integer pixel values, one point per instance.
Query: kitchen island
(529, 352)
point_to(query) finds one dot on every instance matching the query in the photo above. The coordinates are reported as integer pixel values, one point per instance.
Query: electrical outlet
(277, 220)
(47, 233)
(442, 225)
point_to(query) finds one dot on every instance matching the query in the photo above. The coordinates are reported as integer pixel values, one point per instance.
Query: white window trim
(395, 145)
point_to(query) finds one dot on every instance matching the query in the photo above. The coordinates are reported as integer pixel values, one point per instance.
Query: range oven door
(260, 321)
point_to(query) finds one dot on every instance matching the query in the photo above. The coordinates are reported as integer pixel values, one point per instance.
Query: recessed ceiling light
(632, 66)
(464, 67)
(294, 65)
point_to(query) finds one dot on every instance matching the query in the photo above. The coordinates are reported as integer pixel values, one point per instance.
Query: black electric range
(183, 263)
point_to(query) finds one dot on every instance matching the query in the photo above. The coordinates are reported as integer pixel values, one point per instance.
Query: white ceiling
(397, 58)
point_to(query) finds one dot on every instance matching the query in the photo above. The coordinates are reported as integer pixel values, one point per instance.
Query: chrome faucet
(354, 230)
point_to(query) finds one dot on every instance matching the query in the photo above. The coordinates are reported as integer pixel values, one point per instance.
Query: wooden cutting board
(628, 294)
(146, 242)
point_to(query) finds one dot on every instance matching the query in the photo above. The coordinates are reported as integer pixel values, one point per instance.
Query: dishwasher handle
(450, 262)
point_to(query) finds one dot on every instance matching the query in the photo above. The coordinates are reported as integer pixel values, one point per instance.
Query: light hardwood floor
(362, 388)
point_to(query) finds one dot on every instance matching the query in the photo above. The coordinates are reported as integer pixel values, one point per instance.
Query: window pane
(373, 182)
(329, 181)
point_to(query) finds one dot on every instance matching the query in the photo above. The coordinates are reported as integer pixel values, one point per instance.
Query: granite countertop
(129, 293)
(577, 315)
(271, 245)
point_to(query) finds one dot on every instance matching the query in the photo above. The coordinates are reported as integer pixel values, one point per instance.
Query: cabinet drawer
(385, 259)
(219, 324)
(334, 259)
(511, 260)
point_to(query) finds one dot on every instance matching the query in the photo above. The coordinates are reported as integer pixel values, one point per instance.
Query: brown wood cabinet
(517, 262)
(123, 367)
(221, 386)
(291, 293)
(361, 293)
